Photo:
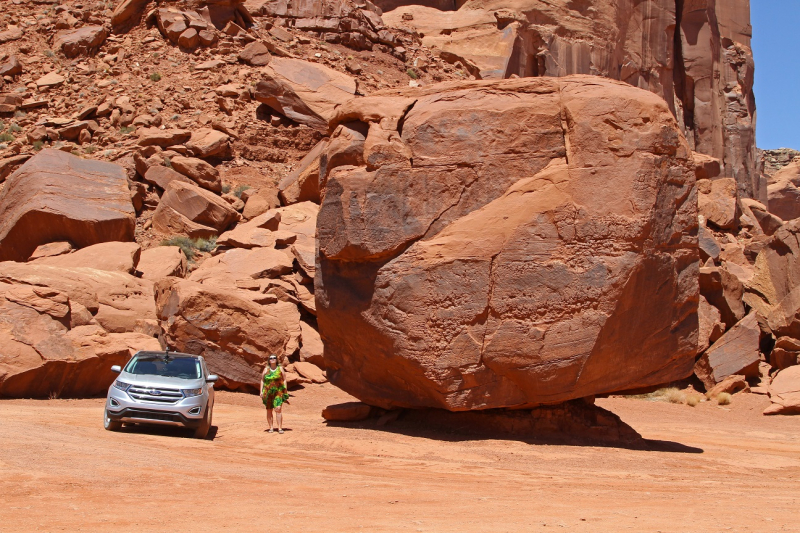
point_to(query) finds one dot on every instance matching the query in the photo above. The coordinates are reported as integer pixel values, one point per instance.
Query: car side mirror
(212, 378)
(116, 368)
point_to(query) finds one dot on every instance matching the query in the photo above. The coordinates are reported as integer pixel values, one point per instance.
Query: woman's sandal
(280, 431)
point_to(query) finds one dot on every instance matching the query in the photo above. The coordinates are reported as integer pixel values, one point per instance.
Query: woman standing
(273, 391)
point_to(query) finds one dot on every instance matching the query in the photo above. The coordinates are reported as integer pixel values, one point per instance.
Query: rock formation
(62, 328)
(695, 55)
(57, 196)
(500, 244)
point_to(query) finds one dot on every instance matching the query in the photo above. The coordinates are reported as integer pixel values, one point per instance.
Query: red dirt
(735, 470)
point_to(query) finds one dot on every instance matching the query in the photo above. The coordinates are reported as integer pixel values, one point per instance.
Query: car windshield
(172, 367)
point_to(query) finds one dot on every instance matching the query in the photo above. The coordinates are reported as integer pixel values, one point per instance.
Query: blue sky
(776, 49)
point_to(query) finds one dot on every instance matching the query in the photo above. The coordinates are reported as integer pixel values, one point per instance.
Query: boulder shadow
(574, 423)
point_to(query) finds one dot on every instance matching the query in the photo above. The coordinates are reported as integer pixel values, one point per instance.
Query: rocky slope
(481, 243)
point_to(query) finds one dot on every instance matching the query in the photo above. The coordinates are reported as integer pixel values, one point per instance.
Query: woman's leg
(279, 416)
(269, 418)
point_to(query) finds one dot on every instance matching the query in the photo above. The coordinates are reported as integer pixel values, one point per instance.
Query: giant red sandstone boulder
(234, 334)
(61, 329)
(57, 196)
(305, 92)
(519, 242)
(704, 73)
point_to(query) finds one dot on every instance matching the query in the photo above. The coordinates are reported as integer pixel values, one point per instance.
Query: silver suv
(167, 388)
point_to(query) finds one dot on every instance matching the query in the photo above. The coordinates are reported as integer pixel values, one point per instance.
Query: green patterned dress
(274, 392)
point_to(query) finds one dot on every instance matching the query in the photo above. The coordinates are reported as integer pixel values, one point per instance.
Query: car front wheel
(205, 426)
(110, 425)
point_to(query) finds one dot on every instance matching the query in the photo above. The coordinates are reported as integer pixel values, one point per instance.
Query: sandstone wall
(693, 53)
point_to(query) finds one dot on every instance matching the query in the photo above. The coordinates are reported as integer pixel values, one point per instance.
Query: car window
(173, 367)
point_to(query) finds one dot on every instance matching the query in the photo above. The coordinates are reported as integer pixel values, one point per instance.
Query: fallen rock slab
(305, 92)
(111, 256)
(51, 249)
(784, 391)
(161, 262)
(196, 205)
(346, 412)
(233, 334)
(198, 171)
(161, 176)
(80, 41)
(56, 196)
(736, 352)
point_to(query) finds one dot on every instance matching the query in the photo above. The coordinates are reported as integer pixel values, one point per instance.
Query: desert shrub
(89, 149)
(692, 400)
(15, 128)
(49, 53)
(412, 74)
(167, 162)
(674, 395)
(206, 245)
(226, 188)
(155, 76)
(724, 398)
(184, 243)
(127, 130)
(237, 192)
(190, 247)
(6, 137)
(38, 145)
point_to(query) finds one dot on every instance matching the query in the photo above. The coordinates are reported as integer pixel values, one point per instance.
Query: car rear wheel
(110, 425)
(205, 426)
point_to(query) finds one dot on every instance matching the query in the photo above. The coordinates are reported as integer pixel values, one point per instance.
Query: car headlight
(121, 385)
(192, 392)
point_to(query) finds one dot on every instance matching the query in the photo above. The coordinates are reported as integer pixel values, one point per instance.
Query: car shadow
(167, 431)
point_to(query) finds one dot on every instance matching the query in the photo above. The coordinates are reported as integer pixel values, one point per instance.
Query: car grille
(155, 394)
(152, 415)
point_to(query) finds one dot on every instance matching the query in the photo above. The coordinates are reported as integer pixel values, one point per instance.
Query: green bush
(226, 188)
(237, 192)
(155, 76)
(412, 74)
(38, 145)
(127, 130)
(191, 247)
(6, 137)
(49, 53)
(15, 128)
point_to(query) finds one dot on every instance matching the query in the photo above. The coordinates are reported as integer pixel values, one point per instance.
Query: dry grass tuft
(724, 398)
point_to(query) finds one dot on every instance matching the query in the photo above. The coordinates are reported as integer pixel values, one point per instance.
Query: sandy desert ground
(707, 469)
